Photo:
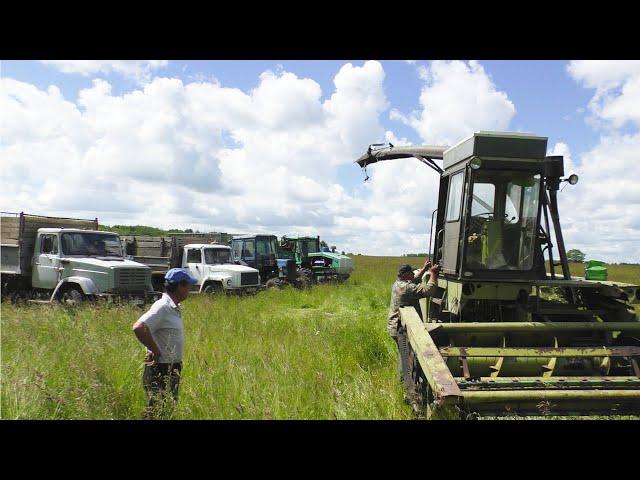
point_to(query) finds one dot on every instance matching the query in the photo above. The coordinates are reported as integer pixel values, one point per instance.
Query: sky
(268, 146)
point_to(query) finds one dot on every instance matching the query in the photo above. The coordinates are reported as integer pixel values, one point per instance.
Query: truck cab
(214, 268)
(89, 259)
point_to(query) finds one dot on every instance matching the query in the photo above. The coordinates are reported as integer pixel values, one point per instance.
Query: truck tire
(72, 296)
(212, 288)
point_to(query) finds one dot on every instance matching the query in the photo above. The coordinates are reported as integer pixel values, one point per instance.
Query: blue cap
(176, 275)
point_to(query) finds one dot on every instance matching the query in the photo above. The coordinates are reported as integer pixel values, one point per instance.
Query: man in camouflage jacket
(408, 290)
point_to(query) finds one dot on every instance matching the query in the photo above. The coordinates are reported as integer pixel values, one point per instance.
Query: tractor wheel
(306, 278)
(72, 296)
(302, 282)
(212, 289)
(274, 283)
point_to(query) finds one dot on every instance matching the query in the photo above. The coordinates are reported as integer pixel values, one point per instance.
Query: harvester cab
(502, 336)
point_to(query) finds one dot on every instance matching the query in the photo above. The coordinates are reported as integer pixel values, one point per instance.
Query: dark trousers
(161, 381)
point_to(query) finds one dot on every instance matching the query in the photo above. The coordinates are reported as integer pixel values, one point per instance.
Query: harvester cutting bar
(573, 352)
(572, 383)
(560, 402)
(501, 327)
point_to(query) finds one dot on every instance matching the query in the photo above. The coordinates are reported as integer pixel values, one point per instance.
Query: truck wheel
(212, 289)
(72, 296)
(19, 298)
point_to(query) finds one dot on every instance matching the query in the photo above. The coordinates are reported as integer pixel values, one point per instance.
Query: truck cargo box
(18, 233)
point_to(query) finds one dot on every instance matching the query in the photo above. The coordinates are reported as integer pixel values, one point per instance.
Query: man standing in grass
(406, 292)
(161, 330)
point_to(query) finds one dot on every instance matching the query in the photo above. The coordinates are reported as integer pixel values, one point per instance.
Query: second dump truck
(210, 262)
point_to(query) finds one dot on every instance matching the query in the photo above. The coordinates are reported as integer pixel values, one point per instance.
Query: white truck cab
(214, 268)
(70, 261)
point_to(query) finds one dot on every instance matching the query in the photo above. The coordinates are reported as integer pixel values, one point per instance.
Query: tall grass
(322, 353)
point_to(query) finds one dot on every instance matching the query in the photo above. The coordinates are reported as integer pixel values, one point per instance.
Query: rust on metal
(441, 381)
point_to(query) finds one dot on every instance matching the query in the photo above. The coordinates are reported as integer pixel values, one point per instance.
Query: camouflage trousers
(161, 383)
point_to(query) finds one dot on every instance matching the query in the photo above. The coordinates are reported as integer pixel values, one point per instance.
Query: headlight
(229, 281)
(476, 163)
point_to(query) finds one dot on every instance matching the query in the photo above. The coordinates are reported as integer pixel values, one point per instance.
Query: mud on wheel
(71, 296)
(274, 283)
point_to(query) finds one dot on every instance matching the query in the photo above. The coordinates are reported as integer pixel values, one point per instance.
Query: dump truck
(210, 262)
(502, 336)
(313, 263)
(67, 259)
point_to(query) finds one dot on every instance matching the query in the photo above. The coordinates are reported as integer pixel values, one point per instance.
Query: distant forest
(142, 230)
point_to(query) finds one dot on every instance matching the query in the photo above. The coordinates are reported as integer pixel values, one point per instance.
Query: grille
(131, 278)
(249, 278)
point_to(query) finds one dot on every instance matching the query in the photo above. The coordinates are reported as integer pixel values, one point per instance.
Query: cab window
(193, 256)
(237, 249)
(49, 244)
(249, 249)
(455, 197)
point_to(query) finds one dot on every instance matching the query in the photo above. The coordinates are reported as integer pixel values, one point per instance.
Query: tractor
(259, 252)
(314, 263)
(502, 336)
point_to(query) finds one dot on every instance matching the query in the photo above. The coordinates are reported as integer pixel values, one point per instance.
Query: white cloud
(136, 69)
(599, 212)
(616, 100)
(205, 156)
(457, 99)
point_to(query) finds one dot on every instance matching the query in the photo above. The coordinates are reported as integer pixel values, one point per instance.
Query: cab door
(194, 263)
(46, 272)
(453, 222)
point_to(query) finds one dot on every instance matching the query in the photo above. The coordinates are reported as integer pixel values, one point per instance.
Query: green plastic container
(595, 270)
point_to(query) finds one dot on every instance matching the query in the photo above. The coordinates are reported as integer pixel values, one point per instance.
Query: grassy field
(284, 354)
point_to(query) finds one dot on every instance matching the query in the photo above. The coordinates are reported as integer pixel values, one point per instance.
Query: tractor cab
(298, 249)
(257, 251)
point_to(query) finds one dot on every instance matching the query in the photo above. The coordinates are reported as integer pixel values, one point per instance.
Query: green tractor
(315, 263)
(501, 336)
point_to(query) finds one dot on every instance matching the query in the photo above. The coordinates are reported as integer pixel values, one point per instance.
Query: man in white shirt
(161, 330)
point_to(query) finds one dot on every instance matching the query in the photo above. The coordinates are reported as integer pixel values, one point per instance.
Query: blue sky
(322, 114)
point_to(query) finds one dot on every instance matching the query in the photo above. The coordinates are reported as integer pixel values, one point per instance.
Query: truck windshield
(216, 256)
(502, 226)
(91, 244)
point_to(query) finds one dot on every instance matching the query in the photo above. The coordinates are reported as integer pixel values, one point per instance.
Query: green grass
(322, 353)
